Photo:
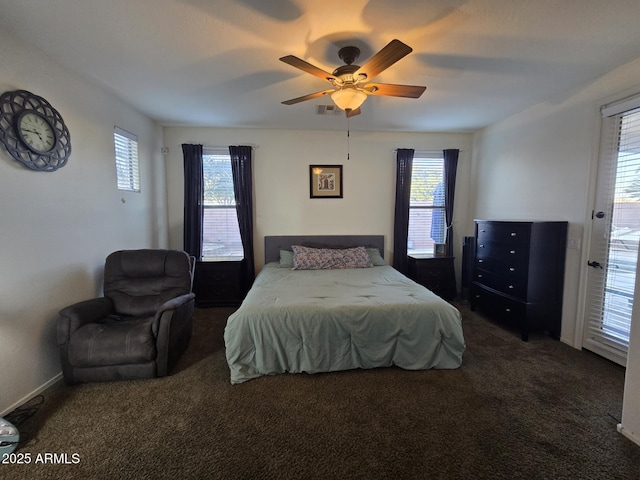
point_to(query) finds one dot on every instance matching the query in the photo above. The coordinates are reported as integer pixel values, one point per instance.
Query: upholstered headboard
(273, 244)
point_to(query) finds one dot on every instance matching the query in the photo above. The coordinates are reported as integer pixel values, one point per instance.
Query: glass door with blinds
(613, 256)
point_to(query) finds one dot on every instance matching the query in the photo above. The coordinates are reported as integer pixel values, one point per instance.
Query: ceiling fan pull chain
(348, 139)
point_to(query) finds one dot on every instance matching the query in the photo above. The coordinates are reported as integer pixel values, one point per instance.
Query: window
(426, 207)
(126, 152)
(220, 230)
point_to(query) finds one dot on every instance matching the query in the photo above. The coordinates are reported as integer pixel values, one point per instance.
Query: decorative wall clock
(33, 132)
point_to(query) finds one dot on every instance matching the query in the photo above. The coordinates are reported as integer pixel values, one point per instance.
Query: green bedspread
(327, 320)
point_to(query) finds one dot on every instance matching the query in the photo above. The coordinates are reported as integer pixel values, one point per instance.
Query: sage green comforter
(327, 320)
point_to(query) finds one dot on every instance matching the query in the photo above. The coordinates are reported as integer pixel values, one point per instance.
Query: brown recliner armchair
(141, 326)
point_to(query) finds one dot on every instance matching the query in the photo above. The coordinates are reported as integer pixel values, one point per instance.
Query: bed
(325, 320)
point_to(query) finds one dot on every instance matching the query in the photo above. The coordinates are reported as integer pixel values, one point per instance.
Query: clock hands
(42, 142)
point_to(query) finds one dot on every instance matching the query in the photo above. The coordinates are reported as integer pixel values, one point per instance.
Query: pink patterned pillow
(307, 258)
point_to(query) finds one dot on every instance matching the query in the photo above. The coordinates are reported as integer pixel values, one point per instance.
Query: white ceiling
(215, 62)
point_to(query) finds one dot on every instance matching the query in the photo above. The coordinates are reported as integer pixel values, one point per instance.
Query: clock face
(36, 132)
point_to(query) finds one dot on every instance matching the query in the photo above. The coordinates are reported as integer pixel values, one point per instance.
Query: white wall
(540, 164)
(281, 179)
(57, 228)
(535, 166)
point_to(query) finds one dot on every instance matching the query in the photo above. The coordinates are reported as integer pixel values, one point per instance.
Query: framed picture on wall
(325, 181)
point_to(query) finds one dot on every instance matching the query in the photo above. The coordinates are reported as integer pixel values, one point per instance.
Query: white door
(613, 255)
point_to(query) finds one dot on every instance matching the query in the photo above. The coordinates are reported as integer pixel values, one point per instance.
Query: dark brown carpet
(514, 410)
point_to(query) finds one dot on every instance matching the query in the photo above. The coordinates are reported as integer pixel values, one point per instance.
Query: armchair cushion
(113, 341)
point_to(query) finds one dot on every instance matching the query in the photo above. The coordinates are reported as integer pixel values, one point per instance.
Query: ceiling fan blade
(390, 54)
(352, 113)
(311, 96)
(390, 90)
(307, 67)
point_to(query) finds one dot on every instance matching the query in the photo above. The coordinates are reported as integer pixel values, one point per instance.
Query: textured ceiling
(215, 62)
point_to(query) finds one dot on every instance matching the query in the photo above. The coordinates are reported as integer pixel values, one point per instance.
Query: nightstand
(219, 283)
(435, 273)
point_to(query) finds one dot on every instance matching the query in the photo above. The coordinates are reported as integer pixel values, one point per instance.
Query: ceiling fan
(349, 81)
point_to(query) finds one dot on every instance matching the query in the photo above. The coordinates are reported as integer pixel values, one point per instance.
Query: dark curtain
(193, 209)
(404, 159)
(243, 190)
(450, 168)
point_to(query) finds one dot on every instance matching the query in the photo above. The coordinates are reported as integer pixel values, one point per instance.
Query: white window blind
(609, 317)
(427, 202)
(126, 154)
(220, 229)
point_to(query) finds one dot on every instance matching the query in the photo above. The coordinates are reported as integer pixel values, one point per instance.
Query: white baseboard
(28, 397)
(629, 434)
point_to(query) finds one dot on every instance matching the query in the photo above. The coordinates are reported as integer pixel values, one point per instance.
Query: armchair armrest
(168, 306)
(172, 327)
(74, 316)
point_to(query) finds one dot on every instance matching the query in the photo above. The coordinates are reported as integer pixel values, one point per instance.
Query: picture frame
(439, 249)
(325, 181)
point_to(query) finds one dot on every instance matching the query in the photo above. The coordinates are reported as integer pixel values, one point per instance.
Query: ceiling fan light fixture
(349, 81)
(348, 98)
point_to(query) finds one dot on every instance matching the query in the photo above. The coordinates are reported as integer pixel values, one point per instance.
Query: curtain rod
(222, 147)
(430, 151)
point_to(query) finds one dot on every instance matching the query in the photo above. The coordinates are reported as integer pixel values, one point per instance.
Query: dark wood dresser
(435, 273)
(518, 274)
(219, 283)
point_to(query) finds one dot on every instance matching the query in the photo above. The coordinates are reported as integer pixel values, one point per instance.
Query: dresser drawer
(430, 277)
(498, 306)
(437, 285)
(220, 293)
(512, 266)
(431, 273)
(513, 249)
(222, 274)
(510, 284)
(218, 283)
(435, 273)
(503, 233)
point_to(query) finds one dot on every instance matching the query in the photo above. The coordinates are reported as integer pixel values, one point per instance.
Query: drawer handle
(507, 309)
(511, 287)
(514, 234)
(482, 231)
(477, 296)
(479, 275)
(480, 261)
(511, 269)
(481, 245)
(512, 252)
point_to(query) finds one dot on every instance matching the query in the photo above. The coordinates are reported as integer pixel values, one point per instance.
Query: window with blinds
(126, 154)
(612, 286)
(427, 202)
(220, 229)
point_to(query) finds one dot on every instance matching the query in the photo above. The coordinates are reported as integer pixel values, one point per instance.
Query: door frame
(587, 230)
(596, 145)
